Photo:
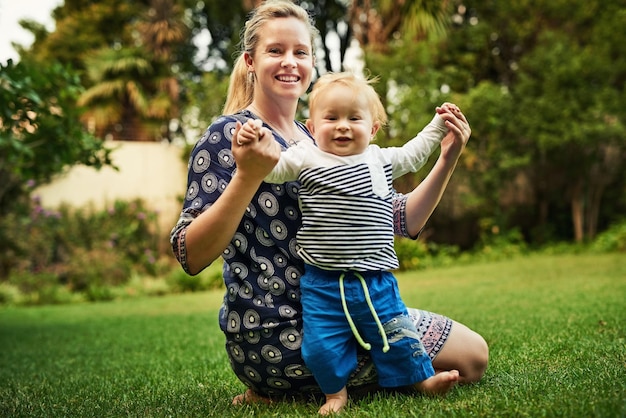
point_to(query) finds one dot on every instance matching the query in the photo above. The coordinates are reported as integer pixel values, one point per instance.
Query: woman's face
(283, 60)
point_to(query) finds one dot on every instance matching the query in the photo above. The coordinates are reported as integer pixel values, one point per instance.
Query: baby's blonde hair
(358, 85)
(241, 85)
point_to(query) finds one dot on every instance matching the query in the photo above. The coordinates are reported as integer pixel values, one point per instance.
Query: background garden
(528, 242)
(542, 83)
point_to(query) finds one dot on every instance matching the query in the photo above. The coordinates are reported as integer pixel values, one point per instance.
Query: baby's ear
(375, 128)
(310, 126)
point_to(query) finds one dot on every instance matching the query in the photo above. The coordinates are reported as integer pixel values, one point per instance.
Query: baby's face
(342, 122)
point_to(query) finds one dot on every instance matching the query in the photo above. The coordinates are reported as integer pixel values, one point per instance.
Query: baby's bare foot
(250, 397)
(439, 384)
(335, 402)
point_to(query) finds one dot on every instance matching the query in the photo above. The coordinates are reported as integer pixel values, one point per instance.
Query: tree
(135, 91)
(222, 20)
(83, 26)
(568, 115)
(543, 95)
(119, 102)
(331, 20)
(40, 131)
(145, 48)
(377, 23)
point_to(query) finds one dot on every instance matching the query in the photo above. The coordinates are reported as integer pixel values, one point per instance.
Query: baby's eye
(274, 51)
(302, 52)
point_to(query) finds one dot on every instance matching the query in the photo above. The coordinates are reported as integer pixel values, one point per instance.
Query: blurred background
(100, 102)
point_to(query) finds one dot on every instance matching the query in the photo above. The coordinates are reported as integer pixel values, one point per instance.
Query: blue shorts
(329, 347)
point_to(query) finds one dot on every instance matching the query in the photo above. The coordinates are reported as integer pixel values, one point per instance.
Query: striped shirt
(346, 202)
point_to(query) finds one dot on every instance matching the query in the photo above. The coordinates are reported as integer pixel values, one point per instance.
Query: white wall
(153, 172)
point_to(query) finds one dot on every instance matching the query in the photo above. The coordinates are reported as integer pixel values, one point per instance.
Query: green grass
(556, 326)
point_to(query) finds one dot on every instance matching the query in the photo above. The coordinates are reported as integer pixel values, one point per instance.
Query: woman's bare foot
(334, 402)
(439, 384)
(250, 397)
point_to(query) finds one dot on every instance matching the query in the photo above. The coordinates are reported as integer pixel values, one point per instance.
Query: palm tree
(162, 30)
(376, 23)
(135, 94)
(118, 103)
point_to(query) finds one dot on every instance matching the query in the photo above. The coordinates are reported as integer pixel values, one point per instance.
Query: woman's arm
(423, 200)
(210, 233)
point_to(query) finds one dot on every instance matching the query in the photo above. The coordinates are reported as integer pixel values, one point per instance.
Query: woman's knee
(466, 351)
(478, 359)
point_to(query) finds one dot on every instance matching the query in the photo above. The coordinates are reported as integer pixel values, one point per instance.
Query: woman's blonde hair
(241, 85)
(358, 85)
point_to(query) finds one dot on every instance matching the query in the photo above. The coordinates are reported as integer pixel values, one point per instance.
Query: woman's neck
(279, 118)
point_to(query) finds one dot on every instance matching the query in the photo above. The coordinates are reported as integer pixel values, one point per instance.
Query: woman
(230, 212)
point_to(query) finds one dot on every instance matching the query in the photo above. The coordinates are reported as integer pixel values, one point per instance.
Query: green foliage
(613, 239)
(210, 278)
(419, 255)
(206, 96)
(40, 131)
(81, 27)
(544, 97)
(40, 136)
(131, 55)
(496, 244)
(71, 255)
(82, 251)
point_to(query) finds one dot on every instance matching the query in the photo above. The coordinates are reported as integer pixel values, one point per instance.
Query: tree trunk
(593, 211)
(578, 215)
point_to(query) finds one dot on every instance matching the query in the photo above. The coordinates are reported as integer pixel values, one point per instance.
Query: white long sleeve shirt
(347, 220)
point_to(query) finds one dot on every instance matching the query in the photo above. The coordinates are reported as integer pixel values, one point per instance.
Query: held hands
(459, 131)
(255, 150)
(250, 132)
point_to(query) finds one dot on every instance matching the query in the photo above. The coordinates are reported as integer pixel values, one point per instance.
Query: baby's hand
(448, 107)
(250, 131)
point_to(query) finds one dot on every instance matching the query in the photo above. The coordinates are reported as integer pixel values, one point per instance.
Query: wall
(153, 172)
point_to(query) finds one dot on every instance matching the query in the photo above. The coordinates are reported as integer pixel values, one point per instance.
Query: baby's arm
(413, 155)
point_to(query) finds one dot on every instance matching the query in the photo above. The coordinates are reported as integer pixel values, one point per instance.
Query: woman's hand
(255, 150)
(256, 153)
(454, 142)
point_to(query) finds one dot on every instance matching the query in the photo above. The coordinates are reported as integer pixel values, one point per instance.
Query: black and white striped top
(347, 221)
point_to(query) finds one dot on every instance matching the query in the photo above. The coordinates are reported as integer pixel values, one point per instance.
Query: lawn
(556, 326)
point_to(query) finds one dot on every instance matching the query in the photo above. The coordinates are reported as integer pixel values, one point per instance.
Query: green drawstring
(365, 345)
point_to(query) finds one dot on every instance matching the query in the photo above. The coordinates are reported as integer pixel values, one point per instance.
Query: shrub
(613, 239)
(209, 278)
(9, 294)
(51, 254)
(95, 268)
(42, 288)
(496, 244)
(417, 254)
